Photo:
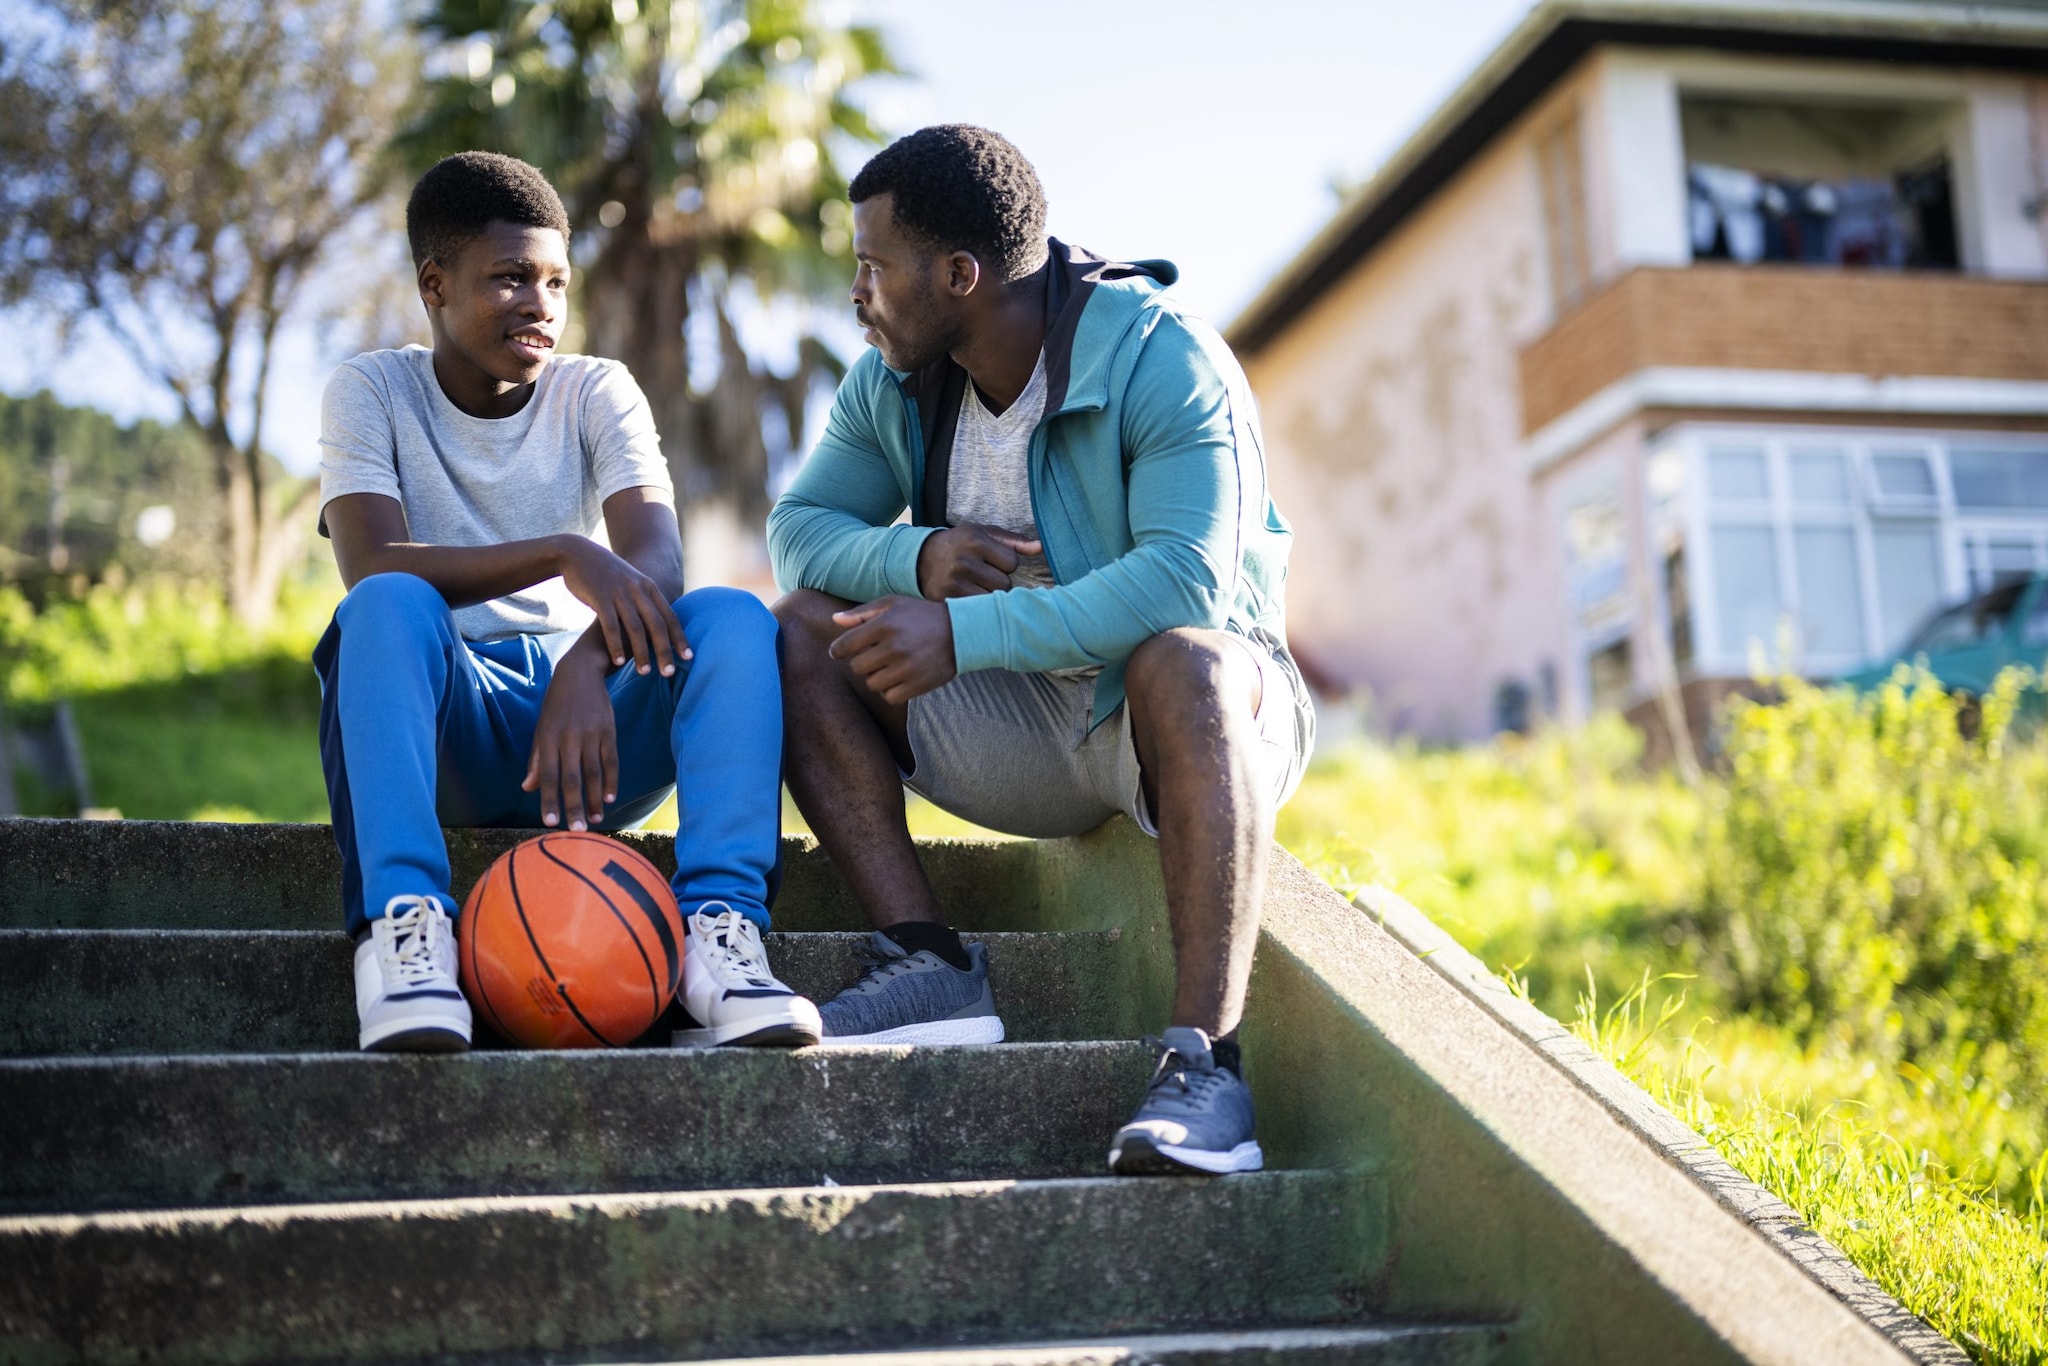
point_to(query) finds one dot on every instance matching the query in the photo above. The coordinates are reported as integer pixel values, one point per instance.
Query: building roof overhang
(2008, 34)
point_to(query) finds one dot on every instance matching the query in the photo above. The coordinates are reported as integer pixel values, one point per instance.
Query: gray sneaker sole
(1138, 1155)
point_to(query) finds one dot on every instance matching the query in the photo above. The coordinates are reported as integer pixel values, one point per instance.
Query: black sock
(1224, 1051)
(928, 936)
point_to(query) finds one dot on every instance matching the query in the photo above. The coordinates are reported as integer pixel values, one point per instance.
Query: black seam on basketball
(512, 881)
(646, 962)
(619, 873)
(478, 900)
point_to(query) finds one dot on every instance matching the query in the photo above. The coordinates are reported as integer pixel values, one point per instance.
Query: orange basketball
(570, 941)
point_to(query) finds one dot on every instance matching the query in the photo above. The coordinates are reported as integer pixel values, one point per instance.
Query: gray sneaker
(913, 998)
(1197, 1116)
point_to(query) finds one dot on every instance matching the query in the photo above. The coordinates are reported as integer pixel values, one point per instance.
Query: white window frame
(1958, 536)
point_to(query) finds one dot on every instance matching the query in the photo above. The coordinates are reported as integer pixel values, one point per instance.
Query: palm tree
(694, 144)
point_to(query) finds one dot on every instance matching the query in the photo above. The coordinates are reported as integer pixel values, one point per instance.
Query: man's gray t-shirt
(585, 434)
(988, 480)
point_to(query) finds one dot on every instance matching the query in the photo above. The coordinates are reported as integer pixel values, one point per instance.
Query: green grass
(183, 713)
(221, 748)
(1946, 1247)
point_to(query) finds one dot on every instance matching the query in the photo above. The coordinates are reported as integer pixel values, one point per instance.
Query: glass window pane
(1820, 477)
(2000, 479)
(1746, 588)
(1830, 598)
(1908, 577)
(1738, 472)
(1903, 474)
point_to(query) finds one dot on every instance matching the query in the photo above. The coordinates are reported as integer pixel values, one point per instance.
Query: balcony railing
(1787, 318)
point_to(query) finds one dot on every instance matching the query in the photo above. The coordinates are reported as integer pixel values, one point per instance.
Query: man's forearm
(465, 575)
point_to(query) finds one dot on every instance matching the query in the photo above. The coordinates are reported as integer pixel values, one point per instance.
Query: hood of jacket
(1092, 303)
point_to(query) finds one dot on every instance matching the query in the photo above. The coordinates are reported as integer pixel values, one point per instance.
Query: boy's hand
(960, 561)
(901, 647)
(631, 611)
(575, 761)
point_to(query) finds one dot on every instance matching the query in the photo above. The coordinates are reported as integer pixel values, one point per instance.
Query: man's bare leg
(1194, 697)
(844, 750)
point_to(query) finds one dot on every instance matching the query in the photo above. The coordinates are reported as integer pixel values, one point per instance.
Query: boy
(515, 648)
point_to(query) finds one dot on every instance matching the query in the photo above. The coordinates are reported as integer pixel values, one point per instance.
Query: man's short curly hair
(962, 188)
(464, 194)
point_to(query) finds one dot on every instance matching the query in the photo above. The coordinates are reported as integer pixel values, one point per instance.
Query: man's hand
(901, 647)
(575, 761)
(631, 611)
(960, 561)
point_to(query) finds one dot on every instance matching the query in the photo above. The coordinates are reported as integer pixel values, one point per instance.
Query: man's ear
(963, 273)
(433, 284)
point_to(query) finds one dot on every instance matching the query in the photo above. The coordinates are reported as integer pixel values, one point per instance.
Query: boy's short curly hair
(462, 195)
(962, 188)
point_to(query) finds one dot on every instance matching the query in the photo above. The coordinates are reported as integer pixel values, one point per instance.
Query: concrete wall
(1423, 568)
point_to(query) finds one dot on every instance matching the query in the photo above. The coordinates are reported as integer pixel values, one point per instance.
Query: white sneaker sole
(974, 1029)
(795, 1027)
(433, 1033)
(1245, 1157)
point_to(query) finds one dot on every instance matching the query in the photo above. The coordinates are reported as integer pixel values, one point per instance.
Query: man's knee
(1187, 668)
(806, 617)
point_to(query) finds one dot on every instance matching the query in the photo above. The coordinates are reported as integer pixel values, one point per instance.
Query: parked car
(1965, 646)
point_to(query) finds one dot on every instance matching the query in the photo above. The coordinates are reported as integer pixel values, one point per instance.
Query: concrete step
(176, 875)
(1378, 1344)
(267, 991)
(106, 1133)
(689, 1275)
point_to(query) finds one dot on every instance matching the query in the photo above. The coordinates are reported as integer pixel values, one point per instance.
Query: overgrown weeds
(1948, 1248)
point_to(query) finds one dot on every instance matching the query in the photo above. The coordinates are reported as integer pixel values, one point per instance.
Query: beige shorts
(1013, 752)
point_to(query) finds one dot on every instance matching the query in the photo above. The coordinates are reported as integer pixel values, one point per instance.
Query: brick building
(1683, 329)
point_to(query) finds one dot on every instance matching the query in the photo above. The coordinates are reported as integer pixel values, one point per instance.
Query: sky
(1208, 132)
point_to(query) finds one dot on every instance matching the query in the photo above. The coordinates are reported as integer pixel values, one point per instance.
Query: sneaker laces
(411, 953)
(732, 949)
(1192, 1085)
(877, 967)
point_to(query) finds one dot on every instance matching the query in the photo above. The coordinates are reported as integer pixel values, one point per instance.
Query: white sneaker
(407, 997)
(729, 990)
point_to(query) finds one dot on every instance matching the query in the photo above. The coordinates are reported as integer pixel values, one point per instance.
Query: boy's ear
(433, 282)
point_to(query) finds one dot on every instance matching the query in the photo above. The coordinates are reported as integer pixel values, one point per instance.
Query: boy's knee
(393, 601)
(724, 610)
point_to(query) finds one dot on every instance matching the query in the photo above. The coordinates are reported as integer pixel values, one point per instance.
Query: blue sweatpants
(420, 728)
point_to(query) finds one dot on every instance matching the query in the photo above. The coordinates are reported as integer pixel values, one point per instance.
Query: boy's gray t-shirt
(586, 434)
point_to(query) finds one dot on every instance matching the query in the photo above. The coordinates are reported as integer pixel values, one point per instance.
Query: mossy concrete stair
(195, 1165)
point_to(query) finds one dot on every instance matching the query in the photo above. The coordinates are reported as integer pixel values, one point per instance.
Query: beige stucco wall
(1425, 568)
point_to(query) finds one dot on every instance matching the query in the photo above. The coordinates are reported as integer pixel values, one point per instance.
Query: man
(516, 648)
(1085, 617)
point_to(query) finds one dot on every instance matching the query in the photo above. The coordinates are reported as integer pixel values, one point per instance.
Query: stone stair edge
(550, 1057)
(628, 1203)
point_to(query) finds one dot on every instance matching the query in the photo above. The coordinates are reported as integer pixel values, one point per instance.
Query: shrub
(1873, 873)
(158, 632)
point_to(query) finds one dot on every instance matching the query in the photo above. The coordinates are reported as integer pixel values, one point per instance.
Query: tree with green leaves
(177, 172)
(694, 144)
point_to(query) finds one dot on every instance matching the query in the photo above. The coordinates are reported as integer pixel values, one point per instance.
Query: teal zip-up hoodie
(1148, 482)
